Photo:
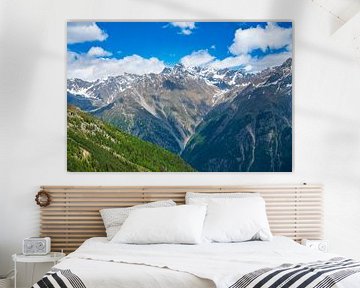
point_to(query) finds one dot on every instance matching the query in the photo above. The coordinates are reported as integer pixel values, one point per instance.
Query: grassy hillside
(94, 146)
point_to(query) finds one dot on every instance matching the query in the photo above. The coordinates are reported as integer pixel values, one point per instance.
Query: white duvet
(100, 263)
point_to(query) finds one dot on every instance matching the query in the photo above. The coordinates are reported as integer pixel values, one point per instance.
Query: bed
(294, 211)
(99, 263)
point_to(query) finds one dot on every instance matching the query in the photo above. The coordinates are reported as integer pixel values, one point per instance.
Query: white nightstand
(53, 257)
(320, 245)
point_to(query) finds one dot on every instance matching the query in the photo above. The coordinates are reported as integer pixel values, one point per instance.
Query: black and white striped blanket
(320, 274)
(57, 278)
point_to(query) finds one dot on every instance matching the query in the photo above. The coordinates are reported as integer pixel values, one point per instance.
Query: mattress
(99, 263)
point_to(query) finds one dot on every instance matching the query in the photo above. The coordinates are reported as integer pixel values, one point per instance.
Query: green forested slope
(95, 146)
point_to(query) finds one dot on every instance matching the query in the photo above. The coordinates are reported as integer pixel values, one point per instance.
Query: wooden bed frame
(73, 215)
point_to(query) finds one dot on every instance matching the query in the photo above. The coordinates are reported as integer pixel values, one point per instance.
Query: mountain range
(215, 119)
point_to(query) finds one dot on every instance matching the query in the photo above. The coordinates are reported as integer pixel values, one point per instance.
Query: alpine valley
(216, 120)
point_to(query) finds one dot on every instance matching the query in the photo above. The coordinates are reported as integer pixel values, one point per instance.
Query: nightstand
(320, 245)
(52, 257)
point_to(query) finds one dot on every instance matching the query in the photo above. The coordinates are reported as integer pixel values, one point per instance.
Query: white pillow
(204, 198)
(173, 225)
(236, 220)
(113, 218)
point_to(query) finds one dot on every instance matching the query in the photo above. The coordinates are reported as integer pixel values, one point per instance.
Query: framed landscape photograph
(179, 96)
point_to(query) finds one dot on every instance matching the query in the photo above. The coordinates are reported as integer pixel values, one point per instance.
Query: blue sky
(101, 49)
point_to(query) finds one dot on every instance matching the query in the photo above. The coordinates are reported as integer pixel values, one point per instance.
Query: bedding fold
(225, 265)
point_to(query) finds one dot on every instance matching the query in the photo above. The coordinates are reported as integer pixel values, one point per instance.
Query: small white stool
(53, 257)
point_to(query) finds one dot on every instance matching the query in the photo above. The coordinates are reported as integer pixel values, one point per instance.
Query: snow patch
(81, 92)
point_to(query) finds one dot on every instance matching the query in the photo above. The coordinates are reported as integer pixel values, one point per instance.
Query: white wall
(33, 108)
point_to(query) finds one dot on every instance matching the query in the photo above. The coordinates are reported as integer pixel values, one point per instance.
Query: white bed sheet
(101, 274)
(106, 274)
(100, 263)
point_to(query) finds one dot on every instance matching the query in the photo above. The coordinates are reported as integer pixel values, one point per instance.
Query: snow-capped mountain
(111, 87)
(184, 108)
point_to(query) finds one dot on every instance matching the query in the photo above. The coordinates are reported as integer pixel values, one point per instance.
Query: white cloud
(271, 60)
(231, 62)
(183, 24)
(204, 58)
(246, 40)
(248, 68)
(197, 58)
(98, 52)
(272, 36)
(186, 31)
(250, 64)
(185, 27)
(78, 32)
(91, 68)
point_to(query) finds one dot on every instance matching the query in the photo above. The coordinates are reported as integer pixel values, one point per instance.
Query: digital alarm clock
(36, 246)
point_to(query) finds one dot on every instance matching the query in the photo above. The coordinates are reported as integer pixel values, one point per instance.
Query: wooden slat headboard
(73, 215)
